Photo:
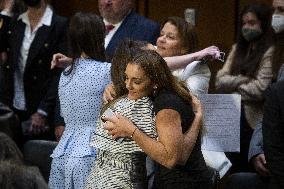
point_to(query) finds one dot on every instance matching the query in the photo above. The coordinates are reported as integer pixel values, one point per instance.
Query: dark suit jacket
(40, 82)
(273, 133)
(136, 27)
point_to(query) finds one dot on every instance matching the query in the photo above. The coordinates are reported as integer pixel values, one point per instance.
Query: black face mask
(32, 3)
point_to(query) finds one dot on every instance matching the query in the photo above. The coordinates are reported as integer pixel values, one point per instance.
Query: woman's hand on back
(109, 93)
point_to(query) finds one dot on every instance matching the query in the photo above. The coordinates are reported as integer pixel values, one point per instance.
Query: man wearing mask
(30, 86)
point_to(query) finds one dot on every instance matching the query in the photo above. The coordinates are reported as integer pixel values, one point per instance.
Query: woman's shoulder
(167, 99)
(91, 63)
(165, 94)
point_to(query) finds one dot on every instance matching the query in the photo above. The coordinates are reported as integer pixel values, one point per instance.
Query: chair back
(37, 153)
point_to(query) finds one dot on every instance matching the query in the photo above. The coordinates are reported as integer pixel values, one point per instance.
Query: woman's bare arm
(177, 62)
(190, 136)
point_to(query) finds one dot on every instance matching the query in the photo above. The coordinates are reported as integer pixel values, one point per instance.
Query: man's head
(114, 10)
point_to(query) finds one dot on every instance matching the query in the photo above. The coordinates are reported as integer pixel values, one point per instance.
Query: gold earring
(155, 90)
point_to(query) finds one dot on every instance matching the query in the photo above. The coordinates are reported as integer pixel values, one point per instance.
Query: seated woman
(248, 71)
(148, 74)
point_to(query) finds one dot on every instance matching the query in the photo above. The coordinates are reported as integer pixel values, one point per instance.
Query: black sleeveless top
(194, 173)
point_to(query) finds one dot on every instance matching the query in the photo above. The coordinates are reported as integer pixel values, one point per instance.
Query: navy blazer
(136, 27)
(40, 82)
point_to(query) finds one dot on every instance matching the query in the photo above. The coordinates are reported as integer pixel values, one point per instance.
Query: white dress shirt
(111, 33)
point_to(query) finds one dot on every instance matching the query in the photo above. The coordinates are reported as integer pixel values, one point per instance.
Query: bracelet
(133, 133)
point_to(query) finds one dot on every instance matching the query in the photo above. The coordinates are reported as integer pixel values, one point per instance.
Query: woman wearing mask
(248, 72)
(260, 161)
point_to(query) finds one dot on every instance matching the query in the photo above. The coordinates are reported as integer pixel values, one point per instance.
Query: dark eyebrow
(133, 77)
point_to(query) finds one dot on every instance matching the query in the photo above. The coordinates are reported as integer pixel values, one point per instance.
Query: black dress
(194, 174)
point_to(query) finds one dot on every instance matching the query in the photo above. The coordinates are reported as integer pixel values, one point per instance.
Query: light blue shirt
(80, 95)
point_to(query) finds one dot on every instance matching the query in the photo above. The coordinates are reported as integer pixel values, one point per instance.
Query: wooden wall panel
(68, 8)
(243, 3)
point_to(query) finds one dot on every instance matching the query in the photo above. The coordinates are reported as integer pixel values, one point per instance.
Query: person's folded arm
(254, 89)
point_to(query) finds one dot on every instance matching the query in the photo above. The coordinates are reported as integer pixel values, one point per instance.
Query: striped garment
(122, 165)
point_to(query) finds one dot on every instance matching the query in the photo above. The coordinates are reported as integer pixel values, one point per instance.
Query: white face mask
(278, 22)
